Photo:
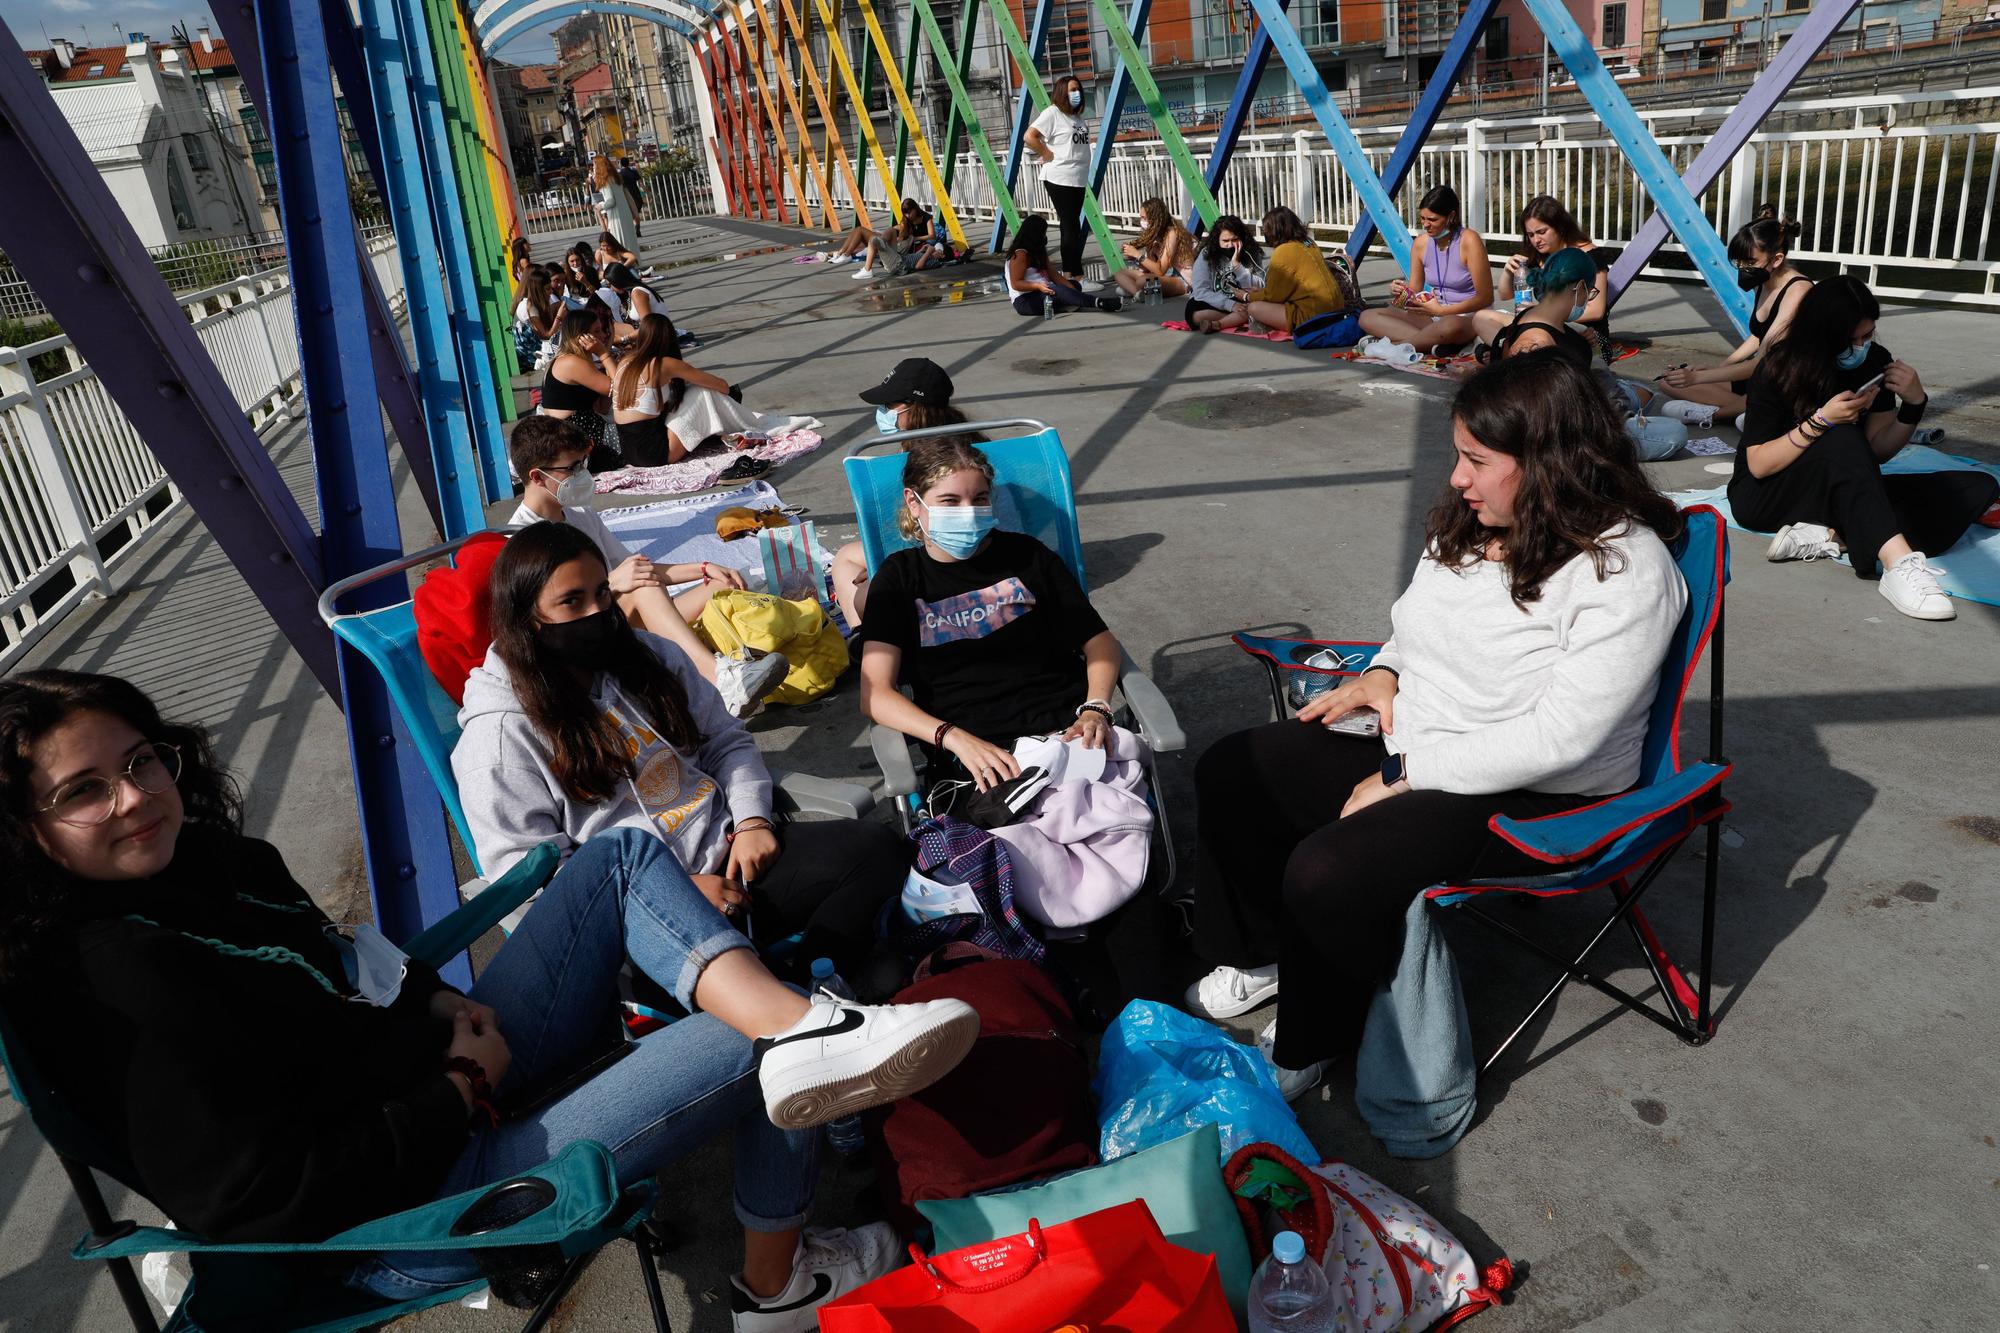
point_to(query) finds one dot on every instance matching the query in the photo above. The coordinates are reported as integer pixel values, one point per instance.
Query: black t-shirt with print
(992, 644)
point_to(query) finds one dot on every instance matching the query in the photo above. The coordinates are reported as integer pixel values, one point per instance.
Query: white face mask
(575, 490)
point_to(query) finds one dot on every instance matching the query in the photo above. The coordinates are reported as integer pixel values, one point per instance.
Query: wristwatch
(1392, 770)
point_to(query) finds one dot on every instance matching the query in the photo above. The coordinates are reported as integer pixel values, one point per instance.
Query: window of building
(1613, 29)
(1496, 38)
(1713, 11)
(1319, 24)
(1794, 6)
(196, 150)
(93, 71)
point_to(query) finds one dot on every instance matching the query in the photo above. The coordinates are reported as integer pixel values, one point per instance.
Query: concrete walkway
(1828, 1161)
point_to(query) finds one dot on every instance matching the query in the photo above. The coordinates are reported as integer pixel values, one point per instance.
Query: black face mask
(1750, 279)
(585, 642)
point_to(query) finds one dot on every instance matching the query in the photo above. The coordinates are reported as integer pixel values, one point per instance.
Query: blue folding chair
(1031, 494)
(574, 1202)
(387, 637)
(1622, 842)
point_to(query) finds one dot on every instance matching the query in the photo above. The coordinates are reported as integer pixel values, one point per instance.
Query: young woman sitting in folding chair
(577, 724)
(265, 1077)
(1523, 659)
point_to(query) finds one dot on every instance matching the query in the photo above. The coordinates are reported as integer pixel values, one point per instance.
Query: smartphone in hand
(1357, 722)
(1869, 385)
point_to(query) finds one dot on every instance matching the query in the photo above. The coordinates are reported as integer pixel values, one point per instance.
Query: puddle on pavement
(1251, 408)
(1044, 366)
(920, 294)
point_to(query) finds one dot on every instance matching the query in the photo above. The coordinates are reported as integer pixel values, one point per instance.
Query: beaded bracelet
(937, 740)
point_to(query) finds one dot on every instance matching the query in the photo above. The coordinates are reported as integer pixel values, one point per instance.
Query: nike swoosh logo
(822, 1287)
(849, 1020)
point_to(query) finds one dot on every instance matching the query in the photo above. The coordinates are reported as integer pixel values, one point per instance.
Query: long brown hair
(1164, 237)
(587, 750)
(41, 898)
(535, 292)
(576, 325)
(1281, 225)
(657, 341)
(1802, 368)
(1580, 475)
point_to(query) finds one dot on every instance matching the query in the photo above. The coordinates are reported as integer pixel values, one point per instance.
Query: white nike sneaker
(1803, 541)
(744, 682)
(1292, 1083)
(1912, 587)
(1229, 991)
(1688, 414)
(831, 1261)
(844, 1057)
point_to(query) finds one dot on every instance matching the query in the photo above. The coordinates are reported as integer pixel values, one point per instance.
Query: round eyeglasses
(88, 802)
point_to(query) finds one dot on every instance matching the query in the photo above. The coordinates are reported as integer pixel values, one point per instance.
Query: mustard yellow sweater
(1297, 277)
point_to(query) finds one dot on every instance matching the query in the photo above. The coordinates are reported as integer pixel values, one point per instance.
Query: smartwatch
(1392, 770)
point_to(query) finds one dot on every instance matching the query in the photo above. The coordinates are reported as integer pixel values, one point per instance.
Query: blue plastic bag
(1162, 1073)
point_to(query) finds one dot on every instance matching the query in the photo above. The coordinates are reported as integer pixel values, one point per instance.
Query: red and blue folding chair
(1622, 842)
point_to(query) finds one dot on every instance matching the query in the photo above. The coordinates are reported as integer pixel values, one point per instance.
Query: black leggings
(1068, 202)
(1283, 879)
(1195, 307)
(1030, 303)
(1837, 481)
(829, 883)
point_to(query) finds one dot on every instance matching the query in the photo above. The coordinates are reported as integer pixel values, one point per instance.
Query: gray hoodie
(513, 802)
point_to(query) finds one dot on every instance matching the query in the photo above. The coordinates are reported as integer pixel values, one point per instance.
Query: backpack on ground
(1016, 1108)
(1339, 328)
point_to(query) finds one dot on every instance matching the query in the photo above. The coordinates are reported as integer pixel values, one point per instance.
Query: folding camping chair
(573, 1202)
(1622, 842)
(387, 637)
(1031, 494)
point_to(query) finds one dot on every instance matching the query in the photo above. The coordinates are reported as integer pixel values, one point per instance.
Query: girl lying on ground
(187, 998)
(577, 724)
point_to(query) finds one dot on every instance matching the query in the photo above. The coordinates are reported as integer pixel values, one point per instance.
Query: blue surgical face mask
(1075, 99)
(958, 529)
(1576, 311)
(885, 421)
(1852, 358)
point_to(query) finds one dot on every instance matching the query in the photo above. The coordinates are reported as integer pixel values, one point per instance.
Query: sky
(105, 23)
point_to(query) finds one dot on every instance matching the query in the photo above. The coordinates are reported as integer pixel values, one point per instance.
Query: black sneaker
(746, 468)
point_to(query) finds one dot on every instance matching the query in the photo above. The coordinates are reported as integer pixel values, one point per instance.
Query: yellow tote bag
(734, 621)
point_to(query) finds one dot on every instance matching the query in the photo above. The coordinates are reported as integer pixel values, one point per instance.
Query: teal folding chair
(1032, 494)
(387, 637)
(1622, 842)
(574, 1202)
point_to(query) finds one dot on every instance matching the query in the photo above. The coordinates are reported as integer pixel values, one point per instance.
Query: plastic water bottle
(1048, 305)
(845, 1133)
(1524, 297)
(1290, 1293)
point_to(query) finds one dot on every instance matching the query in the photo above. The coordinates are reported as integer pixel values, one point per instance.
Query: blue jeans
(555, 986)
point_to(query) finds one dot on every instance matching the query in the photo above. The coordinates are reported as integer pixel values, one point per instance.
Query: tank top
(1444, 269)
(1761, 324)
(1030, 274)
(561, 396)
(1570, 345)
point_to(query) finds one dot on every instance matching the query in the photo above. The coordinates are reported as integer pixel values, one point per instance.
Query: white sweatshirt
(1553, 697)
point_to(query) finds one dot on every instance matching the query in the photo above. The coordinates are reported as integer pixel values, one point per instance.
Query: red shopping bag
(1111, 1270)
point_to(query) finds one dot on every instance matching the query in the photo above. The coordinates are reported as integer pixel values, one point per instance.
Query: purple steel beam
(1805, 42)
(394, 382)
(62, 229)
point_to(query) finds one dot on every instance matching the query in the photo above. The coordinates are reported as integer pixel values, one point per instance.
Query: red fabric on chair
(454, 620)
(1111, 1271)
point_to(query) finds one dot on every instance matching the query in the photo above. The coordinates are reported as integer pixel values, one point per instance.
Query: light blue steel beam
(450, 421)
(403, 838)
(1024, 112)
(1451, 64)
(1670, 197)
(496, 24)
(410, 117)
(1236, 117)
(1271, 17)
(1729, 137)
(1114, 97)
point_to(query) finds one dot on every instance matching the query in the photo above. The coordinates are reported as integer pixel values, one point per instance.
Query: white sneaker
(1229, 991)
(1292, 1083)
(1803, 541)
(844, 1057)
(861, 274)
(831, 1261)
(1689, 414)
(743, 683)
(1088, 287)
(1912, 587)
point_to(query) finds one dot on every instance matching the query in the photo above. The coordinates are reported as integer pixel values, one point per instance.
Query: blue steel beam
(1136, 16)
(394, 380)
(403, 838)
(1024, 112)
(1452, 64)
(1236, 117)
(67, 235)
(409, 107)
(1271, 17)
(1799, 49)
(506, 30)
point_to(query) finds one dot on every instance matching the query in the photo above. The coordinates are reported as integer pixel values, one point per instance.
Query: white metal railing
(79, 489)
(1907, 207)
(557, 208)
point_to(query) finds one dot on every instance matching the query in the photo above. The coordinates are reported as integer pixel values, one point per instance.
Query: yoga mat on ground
(1969, 570)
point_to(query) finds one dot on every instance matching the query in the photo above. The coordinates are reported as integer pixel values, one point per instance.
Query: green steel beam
(902, 130)
(961, 105)
(867, 96)
(1017, 47)
(954, 126)
(1149, 93)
